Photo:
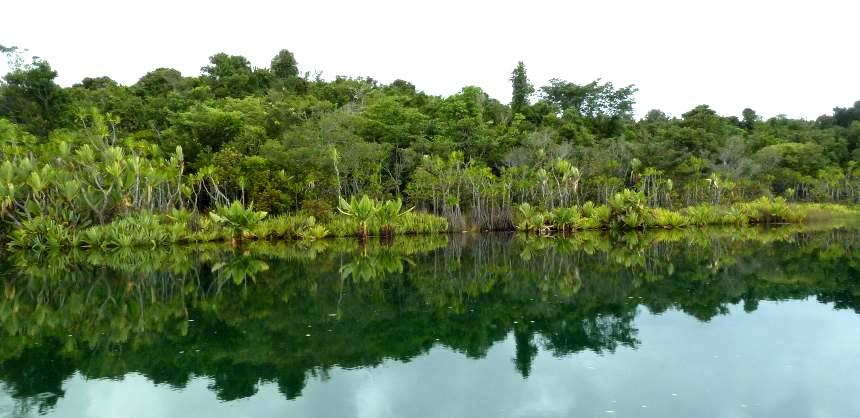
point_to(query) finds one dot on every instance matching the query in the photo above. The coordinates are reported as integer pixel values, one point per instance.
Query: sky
(796, 58)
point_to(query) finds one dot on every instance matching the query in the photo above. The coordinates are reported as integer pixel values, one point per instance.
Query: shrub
(388, 214)
(237, 217)
(587, 209)
(420, 223)
(531, 219)
(204, 229)
(363, 210)
(41, 233)
(313, 231)
(282, 226)
(734, 216)
(664, 218)
(627, 209)
(319, 209)
(565, 219)
(702, 215)
(766, 211)
(142, 229)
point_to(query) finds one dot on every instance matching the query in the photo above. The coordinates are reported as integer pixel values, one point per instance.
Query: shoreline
(151, 231)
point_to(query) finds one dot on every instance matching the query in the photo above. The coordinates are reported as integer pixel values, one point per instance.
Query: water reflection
(280, 316)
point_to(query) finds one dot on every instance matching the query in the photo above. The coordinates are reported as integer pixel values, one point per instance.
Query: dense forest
(290, 141)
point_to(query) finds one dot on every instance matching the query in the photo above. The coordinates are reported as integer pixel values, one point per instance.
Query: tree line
(290, 141)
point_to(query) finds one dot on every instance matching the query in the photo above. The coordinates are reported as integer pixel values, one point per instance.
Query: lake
(696, 323)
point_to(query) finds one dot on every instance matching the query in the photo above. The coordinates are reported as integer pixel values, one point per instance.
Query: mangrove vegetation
(241, 153)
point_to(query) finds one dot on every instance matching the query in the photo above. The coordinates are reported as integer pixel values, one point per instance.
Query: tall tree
(30, 97)
(232, 76)
(159, 82)
(844, 116)
(749, 118)
(284, 65)
(522, 87)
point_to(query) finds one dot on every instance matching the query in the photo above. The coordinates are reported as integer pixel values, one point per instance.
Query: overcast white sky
(797, 58)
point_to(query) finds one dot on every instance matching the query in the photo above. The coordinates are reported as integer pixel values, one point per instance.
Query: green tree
(30, 97)
(522, 88)
(750, 118)
(232, 76)
(284, 65)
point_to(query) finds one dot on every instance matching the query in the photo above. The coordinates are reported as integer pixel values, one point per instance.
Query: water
(670, 324)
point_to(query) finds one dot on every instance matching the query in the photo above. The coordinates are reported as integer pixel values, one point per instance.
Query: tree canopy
(266, 135)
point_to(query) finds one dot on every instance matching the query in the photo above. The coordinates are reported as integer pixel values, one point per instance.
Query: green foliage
(284, 65)
(420, 223)
(237, 217)
(41, 233)
(314, 232)
(282, 227)
(406, 224)
(319, 209)
(703, 215)
(664, 218)
(232, 75)
(133, 231)
(531, 219)
(388, 213)
(30, 97)
(522, 88)
(99, 151)
(775, 210)
(363, 210)
(565, 219)
(627, 209)
(734, 216)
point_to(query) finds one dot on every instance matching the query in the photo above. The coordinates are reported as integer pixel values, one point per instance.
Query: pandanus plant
(388, 213)
(565, 219)
(312, 230)
(238, 218)
(363, 210)
(568, 177)
(627, 209)
(531, 219)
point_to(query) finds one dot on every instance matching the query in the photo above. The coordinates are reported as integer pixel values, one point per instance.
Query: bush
(565, 219)
(531, 219)
(702, 215)
(388, 214)
(420, 223)
(313, 232)
(319, 209)
(282, 227)
(362, 210)
(664, 218)
(237, 217)
(627, 209)
(768, 211)
(41, 233)
(407, 223)
(137, 230)
(734, 216)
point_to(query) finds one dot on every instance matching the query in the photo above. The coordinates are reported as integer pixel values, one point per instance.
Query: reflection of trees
(282, 313)
(239, 269)
(36, 375)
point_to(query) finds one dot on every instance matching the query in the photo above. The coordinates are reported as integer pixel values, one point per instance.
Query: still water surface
(670, 324)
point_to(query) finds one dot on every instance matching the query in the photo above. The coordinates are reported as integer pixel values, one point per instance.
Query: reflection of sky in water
(789, 359)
